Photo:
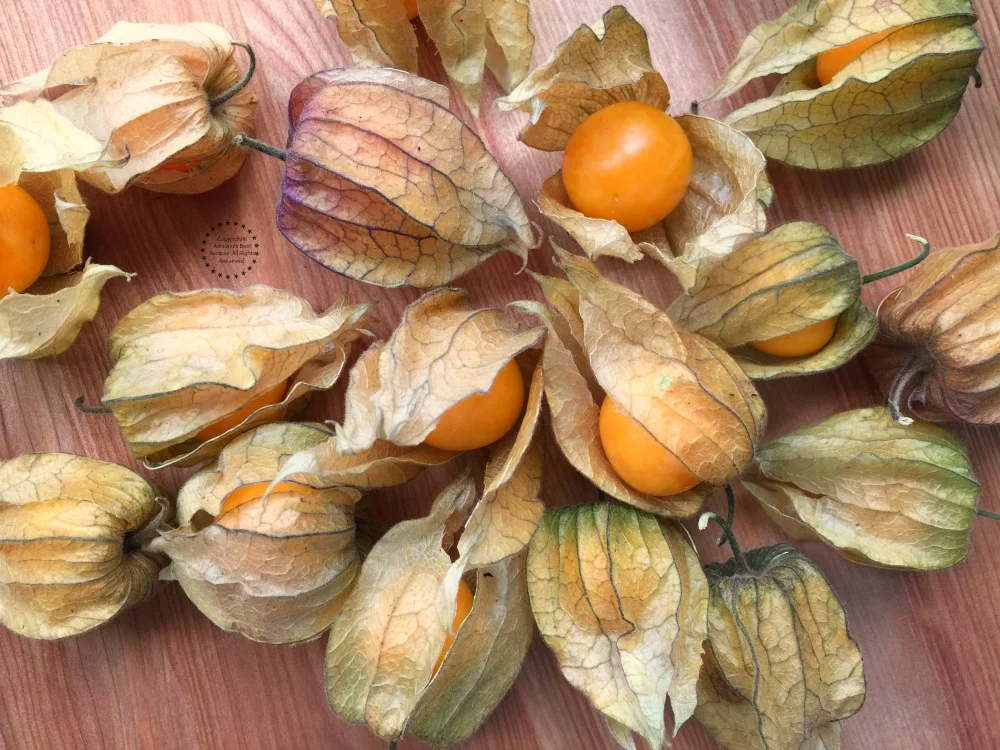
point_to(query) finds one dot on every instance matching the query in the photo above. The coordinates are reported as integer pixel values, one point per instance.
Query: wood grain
(162, 676)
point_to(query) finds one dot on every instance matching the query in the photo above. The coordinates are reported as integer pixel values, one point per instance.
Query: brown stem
(242, 139)
(225, 96)
(978, 78)
(84, 409)
(915, 367)
(142, 536)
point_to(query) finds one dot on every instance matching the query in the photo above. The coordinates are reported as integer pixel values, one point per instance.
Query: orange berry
(24, 240)
(638, 457)
(411, 9)
(462, 609)
(176, 166)
(268, 398)
(255, 491)
(483, 418)
(831, 62)
(630, 162)
(800, 343)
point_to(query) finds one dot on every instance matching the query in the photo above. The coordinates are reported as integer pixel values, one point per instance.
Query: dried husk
(505, 518)
(146, 89)
(382, 465)
(470, 36)
(781, 670)
(275, 569)
(880, 493)
(183, 361)
(607, 63)
(444, 350)
(40, 151)
(897, 96)
(383, 184)
(619, 596)
(605, 340)
(939, 336)
(392, 628)
(774, 284)
(71, 536)
(47, 318)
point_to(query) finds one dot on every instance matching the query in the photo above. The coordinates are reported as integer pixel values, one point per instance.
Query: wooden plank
(163, 677)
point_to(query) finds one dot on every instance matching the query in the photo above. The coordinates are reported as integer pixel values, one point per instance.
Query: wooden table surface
(162, 676)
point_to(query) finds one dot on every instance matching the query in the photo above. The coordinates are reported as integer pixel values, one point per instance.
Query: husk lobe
(71, 554)
(385, 185)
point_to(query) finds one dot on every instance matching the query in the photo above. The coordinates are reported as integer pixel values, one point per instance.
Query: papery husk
(684, 390)
(384, 644)
(939, 336)
(505, 518)
(145, 88)
(781, 670)
(619, 596)
(71, 543)
(792, 277)
(878, 492)
(607, 63)
(383, 184)
(275, 569)
(40, 151)
(444, 350)
(46, 319)
(382, 465)
(470, 36)
(598, 65)
(897, 96)
(183, 361)
(37, 138)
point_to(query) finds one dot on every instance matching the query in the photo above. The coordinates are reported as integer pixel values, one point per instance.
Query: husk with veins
(383, 646)
(938, 339)
(41, 151)
(183, 361)
(880, 493)
(897, 96)
(383, 184)
(503, 521)
(470, 36)
(444, 350)
(780, 668)
(610, 62)
(145, 89)
(619, 596)
(607, 341)
(384, 464)
(72, 543)
(774, 284)
(275, 569)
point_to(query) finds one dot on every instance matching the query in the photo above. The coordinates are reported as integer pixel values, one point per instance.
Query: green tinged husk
(619, 596)
(781, 670)
(774, 284)
(879, 492)
(897, 96)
